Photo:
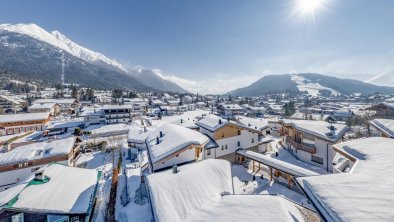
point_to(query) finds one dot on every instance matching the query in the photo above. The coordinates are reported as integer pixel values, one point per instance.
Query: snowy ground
(132, 211)
(244, 184)
(310, 87)
(101, 161)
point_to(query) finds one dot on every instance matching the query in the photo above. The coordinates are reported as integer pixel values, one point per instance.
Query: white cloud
(218, 84)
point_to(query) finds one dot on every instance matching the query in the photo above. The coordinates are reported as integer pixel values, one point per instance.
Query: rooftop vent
(174, 169)
(181, 120)
(220, 121)
(157, 140)
(161, 134)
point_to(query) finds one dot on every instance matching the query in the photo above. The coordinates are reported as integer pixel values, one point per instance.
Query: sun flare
(309, 6)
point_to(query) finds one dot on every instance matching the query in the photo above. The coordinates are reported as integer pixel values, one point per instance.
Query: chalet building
(172, 144)
(21, 162)
(117, 113)
(382, 127)
(383, 109)
(229, 137)
(312, 141)
(8, 104)
(93, 116)
(55, 193)
(252, 111)
(21, 123)
(229, 110)
(66, 105)
(361, 182)
(52, 108)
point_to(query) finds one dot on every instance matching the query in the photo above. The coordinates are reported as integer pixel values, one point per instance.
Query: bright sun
(309, 6)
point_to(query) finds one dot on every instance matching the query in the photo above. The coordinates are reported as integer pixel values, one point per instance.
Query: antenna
(63, 66)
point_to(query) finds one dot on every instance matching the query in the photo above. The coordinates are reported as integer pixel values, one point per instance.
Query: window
(177, 155)
(209, 152)
(239, 143)
(222, 135)
(239, 132)
(252, 140)
(317, 159)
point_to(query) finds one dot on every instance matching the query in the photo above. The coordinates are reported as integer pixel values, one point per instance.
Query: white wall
(183, 157)
(19, 175)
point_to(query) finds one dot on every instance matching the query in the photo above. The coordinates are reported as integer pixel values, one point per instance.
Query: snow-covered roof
(23, 117)
(42, 106)
(231, 106)
(110, 128)
(38, 150)
(281, 165)
(68, 124)
(365, 194)
(211, 122)
(385, 125)
(111, 107)
(203, 191)
(318, 128)
(58, 101)
(139, 134)
(70, 190)
(256, 123)
(174, 139)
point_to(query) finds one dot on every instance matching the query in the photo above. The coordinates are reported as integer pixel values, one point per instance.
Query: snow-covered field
(310, 87)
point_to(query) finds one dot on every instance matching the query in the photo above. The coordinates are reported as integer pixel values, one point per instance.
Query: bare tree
(114, 143)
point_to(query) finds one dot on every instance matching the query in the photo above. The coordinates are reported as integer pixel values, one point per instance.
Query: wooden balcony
(300, 146)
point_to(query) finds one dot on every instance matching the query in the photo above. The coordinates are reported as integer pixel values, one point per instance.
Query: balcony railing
(300, 146)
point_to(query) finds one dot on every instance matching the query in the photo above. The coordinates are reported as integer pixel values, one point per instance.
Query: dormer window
(239, 132)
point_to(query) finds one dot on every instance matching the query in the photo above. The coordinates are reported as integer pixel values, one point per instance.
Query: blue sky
(224, 44)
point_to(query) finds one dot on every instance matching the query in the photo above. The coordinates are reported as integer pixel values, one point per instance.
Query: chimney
(181, 120)
(220, 121)
(39, 176)
(161, 134)
(157, 140)
(174, 169)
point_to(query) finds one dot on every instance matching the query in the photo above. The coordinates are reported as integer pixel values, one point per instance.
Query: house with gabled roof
(54, 193)
(173, 144)
(21, 162)
(229, 136)
(382, 127)
(312, 141)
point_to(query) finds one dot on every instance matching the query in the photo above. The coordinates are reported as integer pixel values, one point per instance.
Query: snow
(189, 115)
(132, 211)
(203, 191)
(386, 125)
(174, 139)
(318, 128)
(110, 128)
(69, 190)
(23, 117)
(365, 194)
(38, 150)
(211, 122)
(311, 88)
(250, 208)
(60, 41)
(177, 197)
(256, 123)
(281, 165)
(7, 195)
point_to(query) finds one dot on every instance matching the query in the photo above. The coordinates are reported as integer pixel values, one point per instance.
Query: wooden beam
(288, 180)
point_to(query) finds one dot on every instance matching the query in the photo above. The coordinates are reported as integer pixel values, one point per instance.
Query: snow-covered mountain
(386, 79)
(311, 83)
(59, 40)
(30, 50)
